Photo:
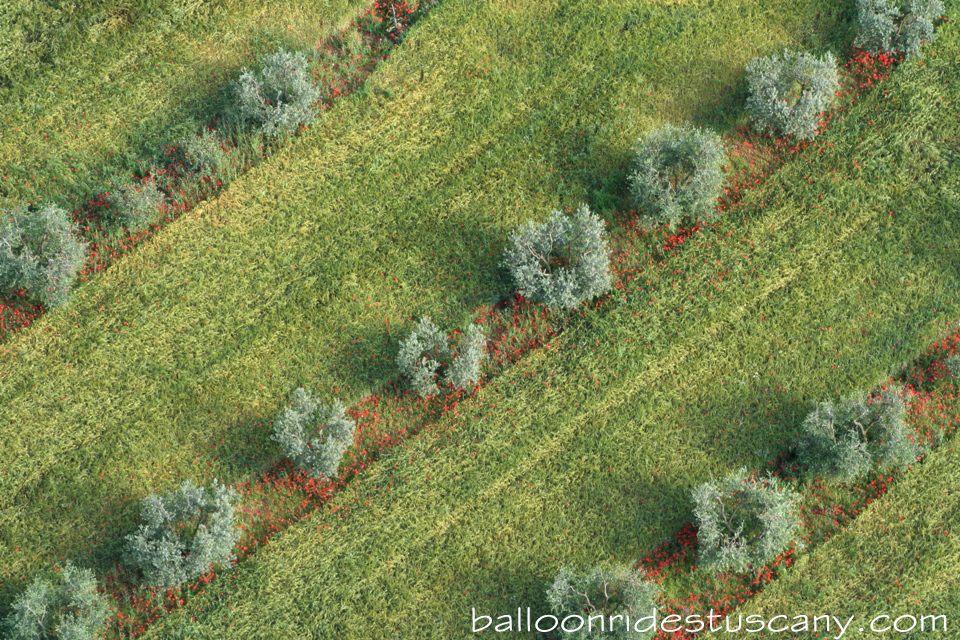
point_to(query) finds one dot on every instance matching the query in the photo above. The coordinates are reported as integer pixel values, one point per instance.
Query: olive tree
(790, 92)
(744, 522)
(183, 533)
(603, 598)
(560, 262)
(677, 172)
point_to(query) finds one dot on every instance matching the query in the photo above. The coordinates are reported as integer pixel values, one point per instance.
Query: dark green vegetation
(311, 264)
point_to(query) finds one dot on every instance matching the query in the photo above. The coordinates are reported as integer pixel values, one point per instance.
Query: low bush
(184, 533)
(885, 28)
(281, 99)
(744, 523)
(845, 440)
(677, 172)
(40, 253)
(203, 154)
(600, 593)
(953, 366)
(137, 205)
(318, 455)
(789, 92)
(69, 608)
(560, 262)
(426, 358)
(421, 355)
(464, 370)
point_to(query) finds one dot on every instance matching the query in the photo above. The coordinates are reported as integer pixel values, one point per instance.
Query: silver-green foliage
(314, 437)
(953, 366)
(137, 205)
(421, 355)
(790, 91)
(677, 172)
(845, 440)
(878, 23)
(605, 592)
(426, 358)
(204, 154)
(39, 252)
(560, 262)
(464, 370)
(70, 609)
(281, 99)
(184, 532)
(744, 522)
(884, 27)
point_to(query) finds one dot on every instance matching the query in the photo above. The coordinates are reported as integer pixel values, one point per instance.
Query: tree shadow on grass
(726, 113)
(368, 358)
(367, 361)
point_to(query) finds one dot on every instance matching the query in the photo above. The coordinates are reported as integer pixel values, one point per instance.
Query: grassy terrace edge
(544, 464)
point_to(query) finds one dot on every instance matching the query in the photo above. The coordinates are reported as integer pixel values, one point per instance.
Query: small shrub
(604, 592)
(39, 253)
(426, 358)
(561, 262)
(184, 533)
(678, 171)
(844, 441)
(138, 205)
(953, 365)
(318, 456)
(421, 355)
(281, 99)
(884, 27)
(744, 522)
(72, 608)
(464, 370)
(204, 154)
(789, 92)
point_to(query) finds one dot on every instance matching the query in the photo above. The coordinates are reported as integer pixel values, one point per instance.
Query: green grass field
(583, 453)
(310, 268)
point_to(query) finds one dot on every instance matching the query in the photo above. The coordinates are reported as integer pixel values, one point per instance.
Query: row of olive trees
(745, 522)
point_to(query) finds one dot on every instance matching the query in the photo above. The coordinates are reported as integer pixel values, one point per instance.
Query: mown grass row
(157, 371)
(587, 451)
